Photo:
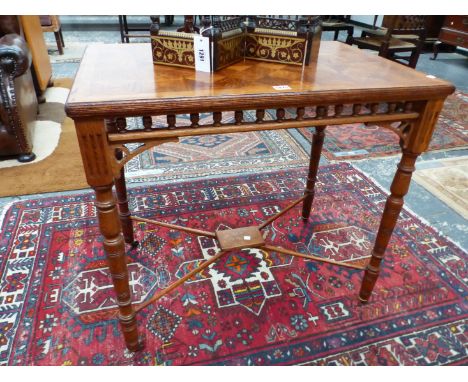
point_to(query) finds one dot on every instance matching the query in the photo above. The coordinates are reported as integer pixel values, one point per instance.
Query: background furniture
(18, 102)
(52, 24)
(126, 31)
(337, 24)
(433, 25)
(41, 66)
(454, 32)
(398, 98)
(189, 25)
(400, 34)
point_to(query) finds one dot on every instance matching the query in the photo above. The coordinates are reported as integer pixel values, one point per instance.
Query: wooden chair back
(405, 25)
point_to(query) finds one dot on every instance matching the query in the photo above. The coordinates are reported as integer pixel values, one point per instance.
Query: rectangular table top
(121, 79)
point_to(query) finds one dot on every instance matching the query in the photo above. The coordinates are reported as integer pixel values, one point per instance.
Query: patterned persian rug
(357, 141)
(250, 308)
(212, 155)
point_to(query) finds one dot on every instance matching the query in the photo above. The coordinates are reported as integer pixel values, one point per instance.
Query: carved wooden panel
(229, 50)
(174, 48)
(284, 49)
(279, 40)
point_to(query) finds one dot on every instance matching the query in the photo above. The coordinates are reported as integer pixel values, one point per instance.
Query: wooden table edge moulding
(118, 81)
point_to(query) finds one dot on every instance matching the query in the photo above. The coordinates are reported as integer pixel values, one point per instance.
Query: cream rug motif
(448, 181)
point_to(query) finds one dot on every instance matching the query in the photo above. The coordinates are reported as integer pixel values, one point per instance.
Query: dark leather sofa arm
(15, 57)
(18, 102)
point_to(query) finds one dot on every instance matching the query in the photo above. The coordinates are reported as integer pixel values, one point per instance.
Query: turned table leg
(97, 163)
(124, 211)
(114, 246)
(393, 206)
(315, 153)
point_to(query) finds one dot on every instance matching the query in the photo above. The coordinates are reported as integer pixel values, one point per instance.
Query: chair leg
(337, 33)
(350, 32)
(58, 40)
(61, 37)
(436, 48)
(125, 23)
(413, 60)
(121, 27)
(384, 51)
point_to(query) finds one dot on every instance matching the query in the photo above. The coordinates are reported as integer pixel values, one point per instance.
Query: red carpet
(357, 141)
(252, 307)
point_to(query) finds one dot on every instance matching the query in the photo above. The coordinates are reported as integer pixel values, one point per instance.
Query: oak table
(118, 81)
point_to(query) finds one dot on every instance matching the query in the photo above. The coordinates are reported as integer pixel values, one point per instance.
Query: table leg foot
(370, 278)
(138, 347)
(132, 342)
(363, 300)
(135, 345)
(135, 244)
